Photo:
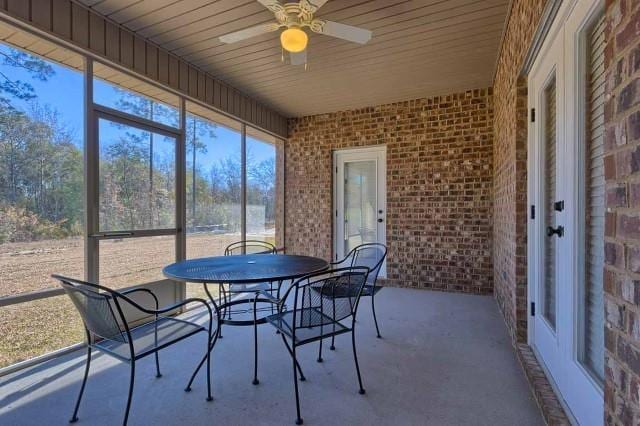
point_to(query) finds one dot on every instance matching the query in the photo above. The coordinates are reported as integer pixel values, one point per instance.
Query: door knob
(559, 231)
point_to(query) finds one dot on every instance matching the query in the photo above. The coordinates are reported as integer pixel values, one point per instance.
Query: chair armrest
(169, 308)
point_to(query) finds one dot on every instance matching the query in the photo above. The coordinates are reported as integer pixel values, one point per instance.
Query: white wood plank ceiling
(419, 48)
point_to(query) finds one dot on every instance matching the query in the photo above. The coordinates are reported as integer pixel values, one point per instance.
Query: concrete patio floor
(444, 359)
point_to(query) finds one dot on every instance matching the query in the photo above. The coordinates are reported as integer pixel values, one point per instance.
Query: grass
(35, 328)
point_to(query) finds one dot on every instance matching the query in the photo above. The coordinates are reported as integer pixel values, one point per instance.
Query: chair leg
(255, 340)
(333, 337)
(131, 381)
(219, 329)
(227, 298)
(158, 375)
(295, 384)
(355, 358)
(209, 396)
(74, 418)
(302, 377)
(204, 358)
(278, 297)
(320, 351)
(375, 319)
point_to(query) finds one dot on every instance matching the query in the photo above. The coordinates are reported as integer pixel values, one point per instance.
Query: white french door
(360, 177)
(566, 194)
(546, 131)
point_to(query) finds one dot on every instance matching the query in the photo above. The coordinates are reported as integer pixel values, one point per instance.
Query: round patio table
(242, 269)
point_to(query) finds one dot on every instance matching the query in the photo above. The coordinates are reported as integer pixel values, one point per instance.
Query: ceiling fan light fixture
(294, 40)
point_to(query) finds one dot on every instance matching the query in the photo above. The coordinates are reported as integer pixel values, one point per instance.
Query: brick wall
(439, 185)
(622, 225)
(510, 167)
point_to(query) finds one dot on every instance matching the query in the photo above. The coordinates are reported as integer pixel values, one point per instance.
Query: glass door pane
(137, 178)
(591, 350)
(137, 200)
(549, 125)
(360, 203)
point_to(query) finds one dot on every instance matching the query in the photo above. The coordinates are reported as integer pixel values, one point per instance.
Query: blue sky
(64, 92)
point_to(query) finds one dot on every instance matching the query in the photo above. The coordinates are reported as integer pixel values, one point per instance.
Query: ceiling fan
(295, 17)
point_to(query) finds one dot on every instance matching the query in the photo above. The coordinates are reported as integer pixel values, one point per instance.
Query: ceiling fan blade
(272, 5)
(313, 5)
(249, 32)
(299, 58)
(345, 32)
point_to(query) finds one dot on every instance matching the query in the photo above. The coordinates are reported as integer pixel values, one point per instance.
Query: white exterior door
(547, 232)
(360, 177)
(566, 194)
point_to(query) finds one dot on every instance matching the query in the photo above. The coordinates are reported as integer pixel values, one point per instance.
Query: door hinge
(533, 115)
(336, 169)
(558, 206)
(533, 211)
(336, 213)
(533, 309)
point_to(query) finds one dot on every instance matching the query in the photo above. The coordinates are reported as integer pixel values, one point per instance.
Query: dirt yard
(35, 328)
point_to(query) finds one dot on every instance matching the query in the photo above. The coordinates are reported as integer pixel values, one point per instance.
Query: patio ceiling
(419, 48)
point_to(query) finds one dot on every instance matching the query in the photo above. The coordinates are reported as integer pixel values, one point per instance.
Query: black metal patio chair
(317, 314)
(248, 247)
(108, 330)
(268, 288)
(372, 256)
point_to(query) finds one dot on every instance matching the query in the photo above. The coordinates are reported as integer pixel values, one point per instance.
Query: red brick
(614, 254)
(634, 194)
(633, 259)
(610, 166)
(628, 226)
(631, 290)
(617, 195)
(629, 32)
(610, 339)
(610, 283)
(614, 315)
(610, 224)
(627, 162)
(629, 96)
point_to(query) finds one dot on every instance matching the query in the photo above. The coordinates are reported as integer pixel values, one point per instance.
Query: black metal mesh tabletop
(251, 268)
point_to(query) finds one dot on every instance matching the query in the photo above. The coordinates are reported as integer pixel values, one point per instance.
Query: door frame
(575, 386)
(379, 153)
(169, 291)
(586, 387)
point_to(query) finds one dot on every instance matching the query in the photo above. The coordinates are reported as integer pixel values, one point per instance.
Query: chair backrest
(250, 247)
(372, 256)
(95, 308)
(324, 297)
